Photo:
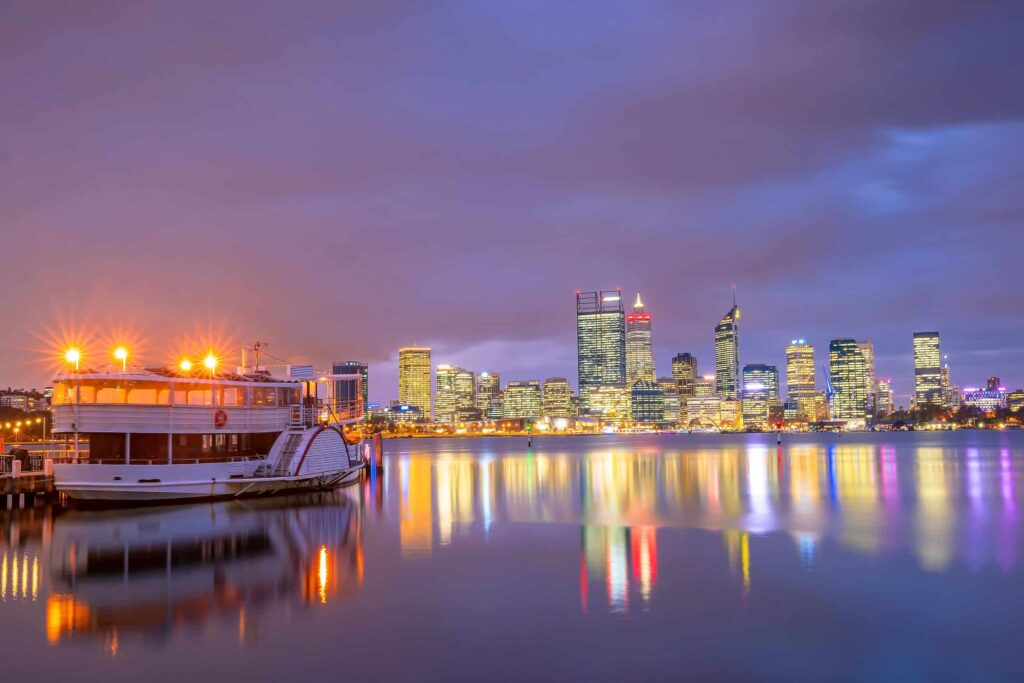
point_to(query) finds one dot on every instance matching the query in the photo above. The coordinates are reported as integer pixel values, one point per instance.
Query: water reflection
(151, 571)
(941, 503)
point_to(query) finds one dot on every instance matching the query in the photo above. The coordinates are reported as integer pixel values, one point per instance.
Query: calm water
(867, 557)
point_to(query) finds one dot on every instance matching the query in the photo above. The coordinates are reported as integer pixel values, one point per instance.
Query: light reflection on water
(571, 530)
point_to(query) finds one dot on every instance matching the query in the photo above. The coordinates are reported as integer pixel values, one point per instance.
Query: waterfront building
(684, 372)
(557, 398)
(345, 390)
(444, 394)
(730, 414)
(496, 408)
(1015, 399)
(800, 385)
(950, 392)
(488, 388)
(727, 354)
(755, 405)
(414, 378)
(611, 404)
(822, 409)
(883, 397)
(985, 399)
(639, 355)
(404, 413)
(791, 411)
(673, 407)
(600, 342)
(522, 399)
(465, 395)
(867, 350)
(704, 386)
(927, 369)
(849, 380)
(647, 402)
(703, 410)
(764, 375)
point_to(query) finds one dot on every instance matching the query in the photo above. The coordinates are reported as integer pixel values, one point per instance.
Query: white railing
(311, 413)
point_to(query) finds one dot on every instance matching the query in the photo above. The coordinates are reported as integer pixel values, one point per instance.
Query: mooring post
(378, 450)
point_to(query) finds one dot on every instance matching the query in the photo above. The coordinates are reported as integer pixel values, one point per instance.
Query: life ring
(220, 419)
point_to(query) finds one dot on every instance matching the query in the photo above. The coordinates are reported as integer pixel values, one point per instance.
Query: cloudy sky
(341, 179)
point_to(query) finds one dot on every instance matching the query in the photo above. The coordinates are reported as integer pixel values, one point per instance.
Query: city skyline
(176, 190)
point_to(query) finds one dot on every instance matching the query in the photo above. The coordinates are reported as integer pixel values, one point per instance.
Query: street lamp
(185, 365)
(210, 362)
(73, 356)
(121, 354)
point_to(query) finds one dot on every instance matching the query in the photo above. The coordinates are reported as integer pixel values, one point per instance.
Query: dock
(20, 478)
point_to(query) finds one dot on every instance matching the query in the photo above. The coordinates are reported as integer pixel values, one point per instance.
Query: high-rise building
(445, 401)
(704, 386)
(522, 399)
(755, 405)
(647, 402)
(611, 404)
(765, 376)
(993, 383)
(414, 378)
(684, 372)
(639, 356)
(800, 387)
(557, 398)
(465, 396)
(488, 388)
(883, 396)
(600, 342)
(950, 392)
(727, 354)
(927, 369)
(867, 349)
(673, 402)
(849, 380)
(344, 391)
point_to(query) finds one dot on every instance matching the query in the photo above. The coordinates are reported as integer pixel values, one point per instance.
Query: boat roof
(173, 374)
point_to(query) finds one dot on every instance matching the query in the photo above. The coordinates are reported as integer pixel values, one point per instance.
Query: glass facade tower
(727, 355)
(600, 342)
(414, 378)
(927, 369)
(639, 356)
(849, 380)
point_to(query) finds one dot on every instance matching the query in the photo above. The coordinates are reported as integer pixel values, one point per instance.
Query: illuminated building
(444, 394)
(883, 397)
(727, 354)
(767, 376)
(1015, 399)
(403, 413)
(522, 399)
(755, 405)
(345, 390)
(985, 399)
(791, 411)
(673, 403)
(557, 398)
(849, 380)
(684, 372)
(704, 386)
(639, 356)
(993, 383)
(800, 386)
(414, 378)
(488, 388)
(927, 369)
(822, 410)
(611, 404)
(600, 342)
(703, 411)
(867, 350)
(465, 395)
(950, 392)
(730, 414)
(647, 402)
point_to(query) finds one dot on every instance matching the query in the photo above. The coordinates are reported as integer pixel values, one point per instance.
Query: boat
(172, 434)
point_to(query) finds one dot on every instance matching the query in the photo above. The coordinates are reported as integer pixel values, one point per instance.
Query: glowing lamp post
(121, 354)
(73, 356)
(185, 365)
(210, 362)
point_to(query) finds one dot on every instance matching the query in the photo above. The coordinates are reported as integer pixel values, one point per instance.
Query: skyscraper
(727, 354)
(488, 388)
(684, 372)
(927, 369)
(444, 393)
(344, 391)
(414, 378)
(800, 386)
(556, 400)
(767, 376)
(849, 380)
(639, 356)
(522, 399)
(647, 402)
(600, 342)
(883, 397)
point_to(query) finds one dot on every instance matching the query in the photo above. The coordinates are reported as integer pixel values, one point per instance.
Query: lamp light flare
(185, 365)
(73, 356)
(121, 353)
(210, 362)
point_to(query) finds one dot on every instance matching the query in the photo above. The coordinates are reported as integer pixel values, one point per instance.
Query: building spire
(639, 305)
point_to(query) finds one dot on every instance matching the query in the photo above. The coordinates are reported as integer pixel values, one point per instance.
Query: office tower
(344, 390)
(488, 388)
(849, 380)
(950, 392)
(684, 372)
(800, 386)
(647, 402)
(639, 356)
(927, 369)
(445, 401)
(414, 378)
(557, 398)
(600, 342)
(611, 404)
(465, 396)
(727, 354)
(822, 409)
(754, 405)
(704, 386)
(673, 402)
(993, 383)
(867, 349)
(883, 397)
(522, 399)
(703, 411)
(766, 376)
(1015, 400)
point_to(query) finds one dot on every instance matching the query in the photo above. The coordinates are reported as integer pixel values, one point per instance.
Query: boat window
(86, 393)
(289, 397)
(108, 391)
(265, 397)
(180, 394)
(200, 395)
(147, 393)
(61, 394)
(233, 396)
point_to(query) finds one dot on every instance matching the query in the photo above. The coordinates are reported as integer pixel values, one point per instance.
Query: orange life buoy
(220, 418)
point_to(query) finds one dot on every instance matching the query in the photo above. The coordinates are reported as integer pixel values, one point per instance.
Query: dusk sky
(341, 179)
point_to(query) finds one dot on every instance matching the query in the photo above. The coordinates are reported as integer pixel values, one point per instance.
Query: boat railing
(319, 412)
(35, 461)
